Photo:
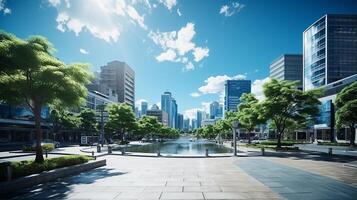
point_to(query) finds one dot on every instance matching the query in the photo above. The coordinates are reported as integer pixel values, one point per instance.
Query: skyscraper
(121, 78)
(233, 91)
(174, 116)
(198, 119)
(329, 50)
(287, 67)
(213, 110)
(186, 124)
(180, 121)
(144, 108)
(166, 101)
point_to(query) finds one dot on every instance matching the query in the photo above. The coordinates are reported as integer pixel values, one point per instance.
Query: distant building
(154, 107)
(180, 121)
(287, 67)
(121, 78)
(186, 125)
(233, 91)
(193, 124)
(209, 122)
(144, 107)
(137, 112)
(216, 110)
(198, 119)
(169, 105)
(161, 116)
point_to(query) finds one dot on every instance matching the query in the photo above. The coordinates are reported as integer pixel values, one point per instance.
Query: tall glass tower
(233, 91)
(329, 50)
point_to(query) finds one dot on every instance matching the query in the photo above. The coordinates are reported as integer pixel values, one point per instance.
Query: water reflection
(182, 145)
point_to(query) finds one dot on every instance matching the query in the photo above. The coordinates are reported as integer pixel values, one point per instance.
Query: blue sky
(187, 47)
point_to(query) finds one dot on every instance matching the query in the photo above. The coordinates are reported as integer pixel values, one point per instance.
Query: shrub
(124, 142)
(28, 167)
(45, 147)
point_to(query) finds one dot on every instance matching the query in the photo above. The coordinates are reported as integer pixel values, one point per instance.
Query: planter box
(43, 177)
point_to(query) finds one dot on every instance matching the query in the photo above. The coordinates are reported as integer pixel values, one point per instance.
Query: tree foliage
(346, 115)
(284, 102)
(30, 75)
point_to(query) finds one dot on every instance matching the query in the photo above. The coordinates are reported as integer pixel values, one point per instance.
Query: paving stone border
(43, 177)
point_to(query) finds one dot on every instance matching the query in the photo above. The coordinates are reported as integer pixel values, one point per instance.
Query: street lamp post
(235, 125)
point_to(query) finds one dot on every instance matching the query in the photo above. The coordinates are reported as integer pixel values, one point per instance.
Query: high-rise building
(174, 116)
(144, 108)
(186, 125)
(154, 107)
(179, 121)
(220, 111)
(169, 105)
(193, 124)
(137, 112)
(166, 105)
(330, 63)
(287, 67)
(233, 91)
(214, 110)
(121, 78)
(198, 119)
(329, 50)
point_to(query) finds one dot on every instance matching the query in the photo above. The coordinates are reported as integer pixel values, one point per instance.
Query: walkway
(127, 177)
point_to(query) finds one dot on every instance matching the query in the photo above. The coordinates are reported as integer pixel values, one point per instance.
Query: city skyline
(227, 53)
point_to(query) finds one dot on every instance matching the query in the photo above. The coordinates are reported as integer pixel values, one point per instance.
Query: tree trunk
(249, 141)
(37, 115)
(353, 135)
(278, 145)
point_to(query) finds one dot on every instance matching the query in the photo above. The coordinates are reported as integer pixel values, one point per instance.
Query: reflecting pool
(183, 146)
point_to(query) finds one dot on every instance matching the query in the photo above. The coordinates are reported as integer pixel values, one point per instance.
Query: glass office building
(330, 50)
(233, 91)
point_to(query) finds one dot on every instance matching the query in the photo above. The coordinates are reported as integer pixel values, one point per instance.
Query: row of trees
(286, 108)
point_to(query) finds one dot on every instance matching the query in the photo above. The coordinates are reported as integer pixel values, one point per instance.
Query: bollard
(9, 172)
(206, 152)
(46, 152)
(109, 149)
(329, 151)
(98, 149)
(158, 153)
(263, 151)
(123, 151)
(92, 153)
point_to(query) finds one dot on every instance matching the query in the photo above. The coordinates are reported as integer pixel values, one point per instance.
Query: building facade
(287, 67)
(121, 78)
(330, 63)
(233, 91)
(161, 116)
(199, 118)
(169, 105)
(329, 50)
(180, 121)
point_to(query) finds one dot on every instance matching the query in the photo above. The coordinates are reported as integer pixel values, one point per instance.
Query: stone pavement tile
(194, 183)
(164, 188)
(181, 195)
(142, 183)
(139, 195)
(202, 189)
(223, 195)
(95, 195)
(260, 195)
(124, 188)
(248, 188)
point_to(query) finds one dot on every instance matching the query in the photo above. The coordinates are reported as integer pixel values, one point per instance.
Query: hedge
(28, 167)
(45, 147)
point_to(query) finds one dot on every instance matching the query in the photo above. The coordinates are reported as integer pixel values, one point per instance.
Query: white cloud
(169, 55)
(257, 88)
(195, 94)
(191, 113)
(229, 10)
(189, 66)
(83, 51)
(168, 3)
(215, 85)
(181, 43)
(103, 19)
(199, 53)
(5, 10)
(178, 12)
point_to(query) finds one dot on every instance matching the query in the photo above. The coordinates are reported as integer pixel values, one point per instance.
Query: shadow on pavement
(62, 187)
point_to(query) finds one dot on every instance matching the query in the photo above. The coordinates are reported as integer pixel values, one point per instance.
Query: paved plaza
(127, 177)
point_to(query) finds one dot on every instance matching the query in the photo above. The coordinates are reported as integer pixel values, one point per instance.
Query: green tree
(346, 115)
(248, 113)
(88, 121)
(284, 102)
(121, 119)
(149, 126)
(224, 128)
(30, 75)
(62, 119)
